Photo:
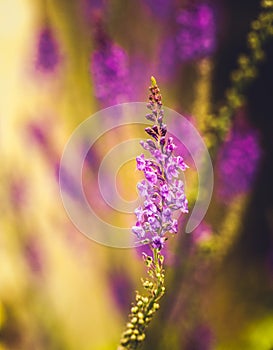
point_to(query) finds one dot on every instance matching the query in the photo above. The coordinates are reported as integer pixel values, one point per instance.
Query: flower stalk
(145, 306)
(163, 194)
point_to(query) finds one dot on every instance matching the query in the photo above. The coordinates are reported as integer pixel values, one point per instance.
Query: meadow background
(62, 61)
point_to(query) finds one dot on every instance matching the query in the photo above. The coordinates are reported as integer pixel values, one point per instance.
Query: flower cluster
(162, 190)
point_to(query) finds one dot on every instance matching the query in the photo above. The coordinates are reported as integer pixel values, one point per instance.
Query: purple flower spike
(162, 191)
(163, 194)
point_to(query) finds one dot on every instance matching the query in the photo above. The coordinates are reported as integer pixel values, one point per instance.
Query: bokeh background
(62, 61)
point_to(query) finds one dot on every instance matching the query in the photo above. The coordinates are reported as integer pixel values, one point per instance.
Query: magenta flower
(162, 191)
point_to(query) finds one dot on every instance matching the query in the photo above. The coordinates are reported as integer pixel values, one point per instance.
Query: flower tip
(153, 81)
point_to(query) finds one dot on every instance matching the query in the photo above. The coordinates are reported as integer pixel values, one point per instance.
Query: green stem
(145, 305)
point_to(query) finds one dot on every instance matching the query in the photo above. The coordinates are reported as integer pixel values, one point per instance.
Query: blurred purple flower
(92, 5)
(110, 73)
(196, 34)
(18, 193)
(48, 55)
(68, 181)
(201, 338)
(33, 255)
(202, 233)
(109, 69)
(167, 58)
(38, 132)
(160, 8)
(237, 162)
(91, 9)
(120, 287)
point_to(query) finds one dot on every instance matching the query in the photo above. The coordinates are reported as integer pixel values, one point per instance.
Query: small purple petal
(158, 242)
(140, 162)
(151, 176)
(143, 188)
(138, 230)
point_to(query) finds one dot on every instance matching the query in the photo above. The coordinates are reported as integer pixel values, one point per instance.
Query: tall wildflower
(163, 194)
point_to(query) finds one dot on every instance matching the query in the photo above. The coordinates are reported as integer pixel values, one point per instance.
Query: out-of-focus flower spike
(109, 68)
